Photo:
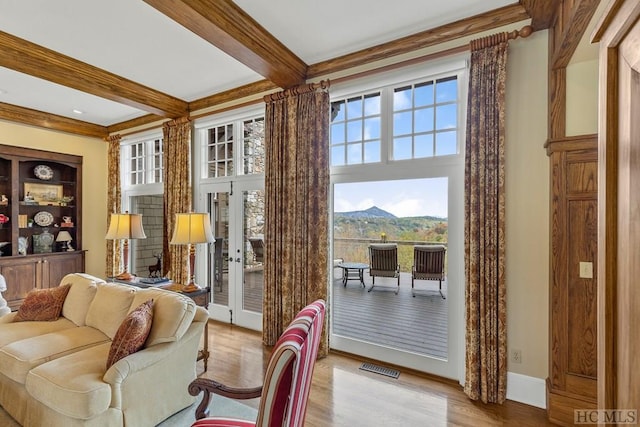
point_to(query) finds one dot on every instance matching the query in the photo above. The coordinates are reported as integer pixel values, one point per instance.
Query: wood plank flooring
(343, 395)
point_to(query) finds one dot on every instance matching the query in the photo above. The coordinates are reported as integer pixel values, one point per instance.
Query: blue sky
(403, 198)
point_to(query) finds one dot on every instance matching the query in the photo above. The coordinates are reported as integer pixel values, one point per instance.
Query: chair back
(257, 246)
(288, 377)
(428, 262)
(383, 260)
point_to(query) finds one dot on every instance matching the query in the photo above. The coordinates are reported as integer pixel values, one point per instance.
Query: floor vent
(380, 370)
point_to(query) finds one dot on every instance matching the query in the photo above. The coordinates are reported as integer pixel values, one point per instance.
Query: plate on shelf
(43, 218)
(43, 172)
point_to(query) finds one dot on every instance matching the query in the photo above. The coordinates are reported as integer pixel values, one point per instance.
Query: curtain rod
(523, 32)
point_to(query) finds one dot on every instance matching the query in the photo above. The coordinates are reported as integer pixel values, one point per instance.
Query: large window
(397, 122)
(141, 172)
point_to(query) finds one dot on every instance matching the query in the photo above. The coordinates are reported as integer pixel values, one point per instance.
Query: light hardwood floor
(344, 395)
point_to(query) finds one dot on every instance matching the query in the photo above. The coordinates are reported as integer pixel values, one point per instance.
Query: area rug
(219, 406)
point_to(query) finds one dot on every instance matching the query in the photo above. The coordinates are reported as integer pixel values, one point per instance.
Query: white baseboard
(528, 390)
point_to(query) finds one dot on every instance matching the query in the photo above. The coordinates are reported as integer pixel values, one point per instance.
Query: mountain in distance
(372, 212)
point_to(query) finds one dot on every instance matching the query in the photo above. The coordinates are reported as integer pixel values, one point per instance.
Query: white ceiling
(133, 40)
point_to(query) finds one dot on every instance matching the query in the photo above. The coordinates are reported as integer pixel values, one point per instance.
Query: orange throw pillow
(132, 333)
(43, 304)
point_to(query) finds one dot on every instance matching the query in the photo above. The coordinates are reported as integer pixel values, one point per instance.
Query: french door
(235, 268)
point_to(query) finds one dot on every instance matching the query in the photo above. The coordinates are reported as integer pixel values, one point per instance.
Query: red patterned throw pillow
(43, 304)
(132, 333)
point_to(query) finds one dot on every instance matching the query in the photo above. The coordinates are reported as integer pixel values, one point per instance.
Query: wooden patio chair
(257, 246)
(428, 264)
(383, 262)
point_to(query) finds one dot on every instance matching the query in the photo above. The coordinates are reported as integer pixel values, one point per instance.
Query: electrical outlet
(516, 356)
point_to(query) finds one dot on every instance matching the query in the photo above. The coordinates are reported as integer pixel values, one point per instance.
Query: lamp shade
(125, 226)
(63, 236)
(192, 228)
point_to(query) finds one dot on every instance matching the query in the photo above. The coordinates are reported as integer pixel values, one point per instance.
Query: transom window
(413, 121)
(221, 140)
(425, 119)
(355, 130)
(145, 162)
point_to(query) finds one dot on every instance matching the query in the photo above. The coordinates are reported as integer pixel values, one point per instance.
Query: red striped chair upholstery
(285, 391)
(428, 264)
(383, 259)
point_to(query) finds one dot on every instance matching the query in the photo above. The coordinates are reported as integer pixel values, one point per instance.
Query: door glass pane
(253, 268)
(218, 272)
(408, 215)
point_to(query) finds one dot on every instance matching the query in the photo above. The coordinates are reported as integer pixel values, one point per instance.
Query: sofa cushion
(15, 331)
(132, 334)
(109, 307)
(73, 385)
(83, 290)
(176, 310)
(18, 358)
(42, 304)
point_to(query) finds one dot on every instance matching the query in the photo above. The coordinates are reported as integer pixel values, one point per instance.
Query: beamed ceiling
(126, 63)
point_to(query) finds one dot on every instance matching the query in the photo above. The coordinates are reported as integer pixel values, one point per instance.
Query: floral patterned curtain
(485, 291)
(177, 194)
(296, 206)
(114, 247)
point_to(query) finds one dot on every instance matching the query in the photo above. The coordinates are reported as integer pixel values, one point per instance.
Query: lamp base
(125, 275)
(191, 287)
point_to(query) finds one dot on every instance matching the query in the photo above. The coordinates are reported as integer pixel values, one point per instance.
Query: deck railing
(357, 250)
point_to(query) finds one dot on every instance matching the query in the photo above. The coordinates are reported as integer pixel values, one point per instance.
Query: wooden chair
(428, 264)
(287, 381)
(257, 246)
(383, 262)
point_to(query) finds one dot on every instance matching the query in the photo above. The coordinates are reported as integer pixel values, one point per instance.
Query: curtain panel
(296, 206)
(177, 194)
(114, 247)
(485, 289)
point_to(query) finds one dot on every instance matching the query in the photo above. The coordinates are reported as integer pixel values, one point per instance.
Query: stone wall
(151, 208)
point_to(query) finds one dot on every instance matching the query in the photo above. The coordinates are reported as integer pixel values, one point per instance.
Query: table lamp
(191, 229)
(64, 237)
(124, 227)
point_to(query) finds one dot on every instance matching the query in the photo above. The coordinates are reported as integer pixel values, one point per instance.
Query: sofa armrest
(145, 372)
(8, 318)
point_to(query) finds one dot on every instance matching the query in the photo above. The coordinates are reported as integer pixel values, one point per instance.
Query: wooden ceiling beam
(455, 30)
(31, 117)
(38, 61)
(573, 26)
(223, 24)
(542, 12)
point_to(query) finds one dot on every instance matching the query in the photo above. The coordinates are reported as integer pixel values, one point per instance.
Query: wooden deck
(415, 324)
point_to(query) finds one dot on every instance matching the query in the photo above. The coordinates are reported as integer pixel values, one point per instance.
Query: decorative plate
(43, 219)
(43, 172)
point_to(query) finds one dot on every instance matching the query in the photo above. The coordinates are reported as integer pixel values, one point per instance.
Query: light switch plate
(586, 270)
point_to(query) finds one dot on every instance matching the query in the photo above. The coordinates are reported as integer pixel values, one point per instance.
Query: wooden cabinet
(572, 382)
(40, 196)
(30, 272)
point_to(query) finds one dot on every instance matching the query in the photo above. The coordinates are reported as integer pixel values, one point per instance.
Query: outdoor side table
(353, 271)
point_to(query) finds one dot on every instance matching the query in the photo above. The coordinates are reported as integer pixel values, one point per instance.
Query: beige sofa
(54, 373)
